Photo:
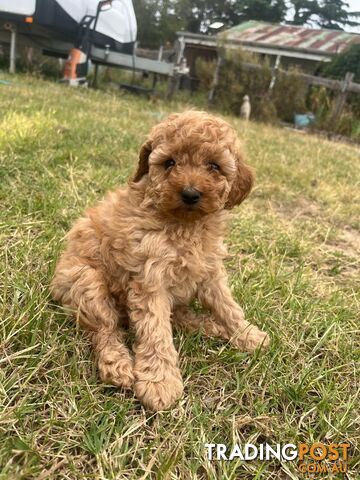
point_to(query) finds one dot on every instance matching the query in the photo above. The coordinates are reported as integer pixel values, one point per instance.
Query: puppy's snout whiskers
(190, 196)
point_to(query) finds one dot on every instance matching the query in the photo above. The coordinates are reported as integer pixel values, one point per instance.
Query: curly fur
(141, 255)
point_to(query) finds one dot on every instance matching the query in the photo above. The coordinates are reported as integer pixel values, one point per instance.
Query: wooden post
(274, 72)
(172, 85)
(174, 79)
(341, 99)
(160, 57)
(12, 67)
(180, 49)
(96, 72)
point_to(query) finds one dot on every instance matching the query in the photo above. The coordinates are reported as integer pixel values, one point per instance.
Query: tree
(332, 14)
(304, 10)
(267, 11)
(199, 14)
(157, 22)
(346, 61)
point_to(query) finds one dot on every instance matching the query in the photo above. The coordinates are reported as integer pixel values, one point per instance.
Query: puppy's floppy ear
(243, 181)
(143, 165)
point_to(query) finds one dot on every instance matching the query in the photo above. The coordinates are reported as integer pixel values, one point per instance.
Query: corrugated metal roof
(321, 41)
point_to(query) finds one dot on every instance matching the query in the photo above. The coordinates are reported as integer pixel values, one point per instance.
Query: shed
(294, 45)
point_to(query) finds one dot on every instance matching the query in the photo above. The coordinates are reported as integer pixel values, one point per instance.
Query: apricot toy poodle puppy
(143, 253)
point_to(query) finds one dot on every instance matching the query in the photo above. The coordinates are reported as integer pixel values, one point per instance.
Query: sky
(354, 6)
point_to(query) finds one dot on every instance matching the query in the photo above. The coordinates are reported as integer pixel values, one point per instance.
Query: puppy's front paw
(116, 367)
(251, 339)
(159, 395)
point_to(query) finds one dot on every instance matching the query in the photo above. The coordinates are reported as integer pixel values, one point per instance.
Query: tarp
(118, 23)
(20, 7)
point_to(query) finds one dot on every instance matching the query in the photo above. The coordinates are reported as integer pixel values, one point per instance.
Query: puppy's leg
(157, 376)
(114, 360)
(216, 296)
(82, 288)
(183, 317)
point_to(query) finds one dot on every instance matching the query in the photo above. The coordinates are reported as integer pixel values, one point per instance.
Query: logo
(311, 458)
(321, 458)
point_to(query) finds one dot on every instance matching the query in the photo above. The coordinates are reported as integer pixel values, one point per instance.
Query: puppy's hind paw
(251, 339)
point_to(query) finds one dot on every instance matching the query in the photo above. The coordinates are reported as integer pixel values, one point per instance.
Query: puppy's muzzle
(190, 196)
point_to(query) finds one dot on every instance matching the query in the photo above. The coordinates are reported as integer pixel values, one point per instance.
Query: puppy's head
(192, 165)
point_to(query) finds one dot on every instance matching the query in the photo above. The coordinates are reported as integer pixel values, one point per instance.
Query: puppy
(143, 253)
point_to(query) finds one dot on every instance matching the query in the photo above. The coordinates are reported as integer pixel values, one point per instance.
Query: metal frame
(115, 59)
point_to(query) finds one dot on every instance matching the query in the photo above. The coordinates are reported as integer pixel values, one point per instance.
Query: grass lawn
(293, 265)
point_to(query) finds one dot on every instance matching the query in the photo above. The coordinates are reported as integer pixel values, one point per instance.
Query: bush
(346, 61)
(289, 95)
(235, 81)
(322, 101)
(32, 60)
(205, 71)
(265, 110)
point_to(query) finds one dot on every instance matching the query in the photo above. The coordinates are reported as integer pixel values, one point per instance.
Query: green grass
(293, 265)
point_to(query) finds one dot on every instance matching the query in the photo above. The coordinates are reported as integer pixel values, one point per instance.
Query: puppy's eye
(169, 163)
(214, 167)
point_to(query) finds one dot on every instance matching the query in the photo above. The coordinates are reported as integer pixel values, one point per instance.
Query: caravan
(54, 25)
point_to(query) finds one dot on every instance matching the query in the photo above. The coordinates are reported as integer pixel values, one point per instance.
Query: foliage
(289, 95)
(199, 14)
(346, 61)
(322, 101)
(268, 11)
(205, 72)
(303, 11)
(324, 13)
(333, 14)
(157, 22)
(33, 61)
(235, 81)
(264, 110)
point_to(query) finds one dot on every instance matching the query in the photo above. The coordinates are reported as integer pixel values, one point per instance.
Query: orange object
(71, 64)
(29, 19)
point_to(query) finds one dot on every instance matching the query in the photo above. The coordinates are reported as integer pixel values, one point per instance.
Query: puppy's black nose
(190, 195)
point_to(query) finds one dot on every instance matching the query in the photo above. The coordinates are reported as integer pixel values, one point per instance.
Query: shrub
(235, 81)
(346, 61)
(265, 110)
(289, 95)
(205, 71)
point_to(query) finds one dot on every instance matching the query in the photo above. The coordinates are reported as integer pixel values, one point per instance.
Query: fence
(342, 86)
